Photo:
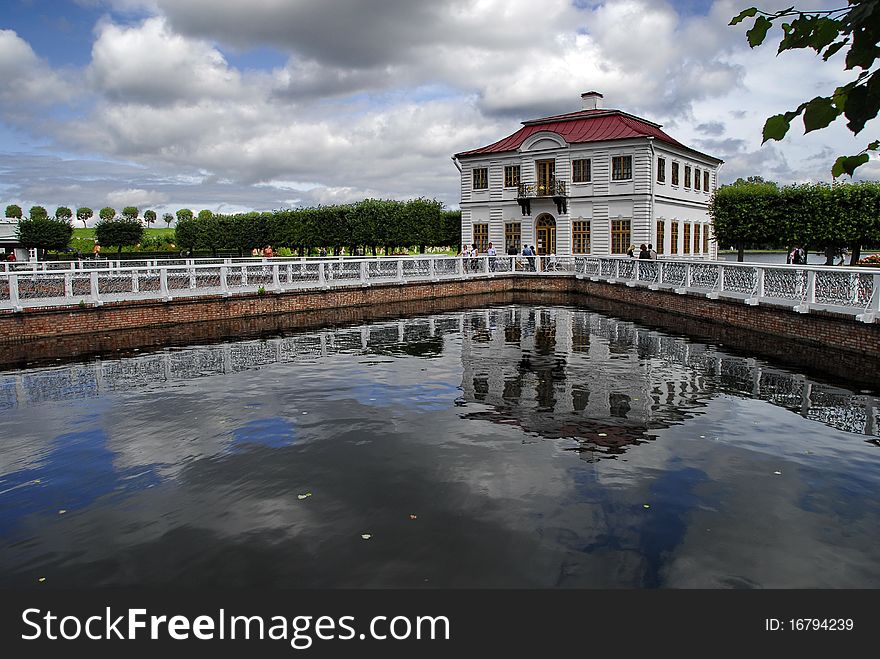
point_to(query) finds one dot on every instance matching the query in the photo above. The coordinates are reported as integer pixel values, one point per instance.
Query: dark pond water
(532, 446)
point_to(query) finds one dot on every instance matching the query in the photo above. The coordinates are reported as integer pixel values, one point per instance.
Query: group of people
(472, 253)
(266, 252)
(797, 255)
(645, 252)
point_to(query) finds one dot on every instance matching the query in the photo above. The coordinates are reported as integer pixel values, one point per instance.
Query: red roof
(580, 127)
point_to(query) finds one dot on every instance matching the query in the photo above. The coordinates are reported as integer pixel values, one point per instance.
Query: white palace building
(588, 182)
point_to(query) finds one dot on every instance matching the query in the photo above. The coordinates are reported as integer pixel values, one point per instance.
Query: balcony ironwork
(553, 188)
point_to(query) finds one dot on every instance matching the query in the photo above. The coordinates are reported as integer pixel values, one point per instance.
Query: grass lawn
(89, 234)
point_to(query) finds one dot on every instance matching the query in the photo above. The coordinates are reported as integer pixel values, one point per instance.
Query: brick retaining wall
(824, 330)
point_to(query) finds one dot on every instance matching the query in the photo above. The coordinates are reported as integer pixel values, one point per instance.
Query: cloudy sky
(258, 104)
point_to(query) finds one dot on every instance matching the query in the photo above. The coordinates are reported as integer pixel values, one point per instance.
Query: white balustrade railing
(854, 291)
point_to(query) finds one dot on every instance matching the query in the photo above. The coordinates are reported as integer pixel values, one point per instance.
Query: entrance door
(546, 170)
(545, 235)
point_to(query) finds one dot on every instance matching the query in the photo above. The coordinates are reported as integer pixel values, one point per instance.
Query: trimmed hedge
(366, 225)
(817, 216)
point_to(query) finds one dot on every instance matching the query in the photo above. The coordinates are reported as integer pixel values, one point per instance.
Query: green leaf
(819, 113)
(744, 14)
(861, 106)
(777, 126)
(833, 48)
(825, 30)
(848, 164)
(873, 146)
(758, 32)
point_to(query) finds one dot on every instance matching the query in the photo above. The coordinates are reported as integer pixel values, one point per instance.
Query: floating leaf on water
(702, 436)
(645, 505)
(61, 512)
(413, 517)
(305, 412)
(778, 473)
(37, 481)
(303, 496)
(366, 536)
(41, 579)
(603, 434)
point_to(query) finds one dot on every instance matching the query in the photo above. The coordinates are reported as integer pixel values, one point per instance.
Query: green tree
(184, 214)
(43, 233)
(205, 214)
(13, 211)
(130, 213)
(38, 213)
(167, 218)
(186, 233)
(744, 215)
(107, 213)
(855, 27)
(149, 217)
(63, 213)
(122, 232)
(84, 214)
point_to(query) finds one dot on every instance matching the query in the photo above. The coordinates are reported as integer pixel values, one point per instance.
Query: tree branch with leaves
(855, 27)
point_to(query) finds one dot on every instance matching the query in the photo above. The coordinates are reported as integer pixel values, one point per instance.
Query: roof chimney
(591, 100)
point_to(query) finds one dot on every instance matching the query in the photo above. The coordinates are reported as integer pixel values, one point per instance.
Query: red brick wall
(829, 330)
(818, 329)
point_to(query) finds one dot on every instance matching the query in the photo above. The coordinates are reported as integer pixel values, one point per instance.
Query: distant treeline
(365, 226)
(817, 216)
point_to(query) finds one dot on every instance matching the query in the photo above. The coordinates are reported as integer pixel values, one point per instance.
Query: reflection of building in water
(558, 371)
(562, 372)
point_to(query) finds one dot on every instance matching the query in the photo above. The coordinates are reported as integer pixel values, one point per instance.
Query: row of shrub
(84, 214)
(821, 217)
(360, 227)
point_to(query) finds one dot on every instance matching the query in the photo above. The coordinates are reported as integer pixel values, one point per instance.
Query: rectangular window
(481, 237)
(511, 176)
(706, 180)
(580, 171)
(687, 176)
(512, 236)
(661, 235)
(687, 237)
(706, 238)
(620, 236)
(696, 239)
(673, 235)
(621, 168)
(696, 178)
(481, 178)
(675, 173)
(661, 170)
(580, 236)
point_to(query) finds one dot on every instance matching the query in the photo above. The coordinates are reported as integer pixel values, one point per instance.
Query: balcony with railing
(552, 188)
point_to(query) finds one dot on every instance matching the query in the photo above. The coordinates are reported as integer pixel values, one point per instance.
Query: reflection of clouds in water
(210, 447)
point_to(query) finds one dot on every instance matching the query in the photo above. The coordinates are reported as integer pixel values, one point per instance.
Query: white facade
(647, 202)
